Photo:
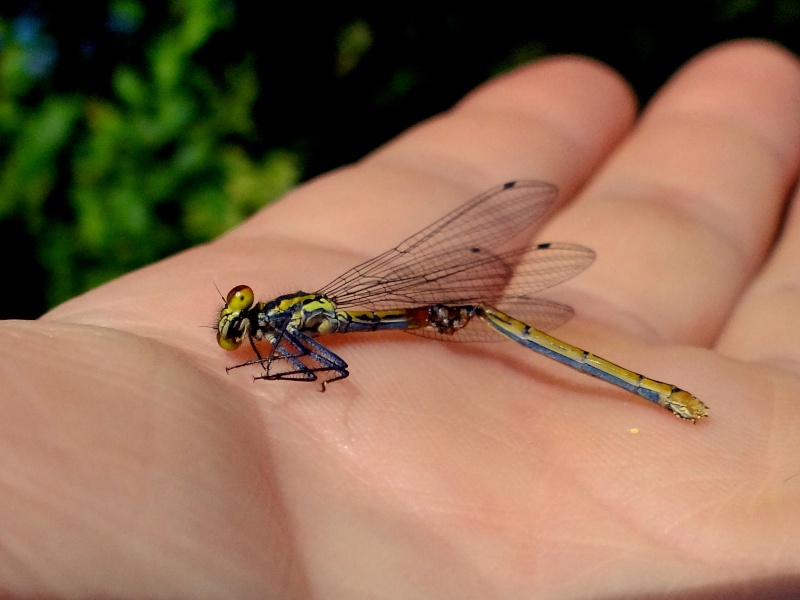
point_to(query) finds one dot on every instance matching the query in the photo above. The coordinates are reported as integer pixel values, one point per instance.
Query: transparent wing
(463, 258)
(446, 261)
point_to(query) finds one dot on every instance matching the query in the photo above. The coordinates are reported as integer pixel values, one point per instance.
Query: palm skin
(133, 465)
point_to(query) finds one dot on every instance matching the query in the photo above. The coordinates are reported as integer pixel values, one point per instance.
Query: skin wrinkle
(770, 358)
(614, 317)
(464, 174)
(682, 210)
(788, 365)
(571, 143)
(773, 440)
(705, 220)
(730, 122)
(410, 166)
(790, 287)
(711, 217)
(623, 311)
(575, 68)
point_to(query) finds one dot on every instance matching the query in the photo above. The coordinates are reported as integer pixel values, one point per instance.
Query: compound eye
(240, 298)
(227, 343)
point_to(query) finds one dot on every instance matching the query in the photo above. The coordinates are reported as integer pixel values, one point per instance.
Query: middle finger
(689, 204)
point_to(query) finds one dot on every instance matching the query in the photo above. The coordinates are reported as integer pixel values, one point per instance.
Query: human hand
(134, 465)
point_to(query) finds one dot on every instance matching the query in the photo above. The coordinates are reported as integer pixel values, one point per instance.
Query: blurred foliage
(102, 176)
(131, 129)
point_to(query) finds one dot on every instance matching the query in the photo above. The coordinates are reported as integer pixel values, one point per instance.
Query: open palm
(133, 465)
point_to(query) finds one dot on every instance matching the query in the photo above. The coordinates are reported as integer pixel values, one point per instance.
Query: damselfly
(469, 265)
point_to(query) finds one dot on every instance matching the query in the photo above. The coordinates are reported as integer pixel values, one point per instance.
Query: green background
(130, 130)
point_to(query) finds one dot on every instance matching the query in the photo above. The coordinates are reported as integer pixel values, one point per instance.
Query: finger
(555, 120)
(685, 211)
(765, 327)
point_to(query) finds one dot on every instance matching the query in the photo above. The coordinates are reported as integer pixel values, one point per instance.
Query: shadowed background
(130, 130)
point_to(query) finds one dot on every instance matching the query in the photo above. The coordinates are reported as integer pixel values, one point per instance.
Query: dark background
(132, 129)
